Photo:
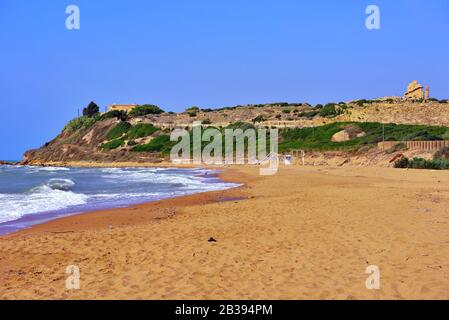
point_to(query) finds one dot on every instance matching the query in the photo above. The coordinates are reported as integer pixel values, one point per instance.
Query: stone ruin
(415, 91)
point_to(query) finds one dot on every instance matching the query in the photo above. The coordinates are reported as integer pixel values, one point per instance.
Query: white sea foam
(61, 184)
(40, 199)
(45, 169)
(116, 187)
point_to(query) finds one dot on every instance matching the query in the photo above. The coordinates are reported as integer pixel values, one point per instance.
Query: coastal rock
(348, 133)
(6, 163)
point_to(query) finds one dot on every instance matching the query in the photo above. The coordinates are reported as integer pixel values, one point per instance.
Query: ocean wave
(51, 189)
(45, 169)
(40, 199)
(61, 184)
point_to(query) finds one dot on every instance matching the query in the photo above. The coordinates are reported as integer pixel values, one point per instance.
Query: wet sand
(304, 233)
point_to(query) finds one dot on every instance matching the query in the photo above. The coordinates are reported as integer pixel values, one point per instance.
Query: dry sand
(305, 233)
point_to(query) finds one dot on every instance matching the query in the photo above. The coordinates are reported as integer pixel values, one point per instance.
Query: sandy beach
(304, 233)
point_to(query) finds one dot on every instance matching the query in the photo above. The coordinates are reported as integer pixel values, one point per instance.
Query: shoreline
(158, 209)
(304, 233)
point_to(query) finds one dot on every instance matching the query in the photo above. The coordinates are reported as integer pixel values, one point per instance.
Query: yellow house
(122, 107)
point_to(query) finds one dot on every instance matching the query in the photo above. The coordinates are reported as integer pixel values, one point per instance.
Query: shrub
(145, 109)
(422, 135)
(141, 130)
(286, 111)
(206, 121)
(309, 114)
(328, 110)
(278, 116)
(361, 102)
(91, 110)
(131, 143)
(114, 144)
(420, 163)
(158, 144)
(83, 122)
(401, 163)
(259, 118)
(192, 111)
(119, 114)
(118, 131)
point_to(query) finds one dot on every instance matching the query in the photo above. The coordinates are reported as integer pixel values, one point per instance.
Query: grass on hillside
(79, 123)
(319, 138)
(141, 130)
(118, 131)
(159, 144)
(114, 144)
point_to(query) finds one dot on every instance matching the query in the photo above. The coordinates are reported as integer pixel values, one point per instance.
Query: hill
(144, 137)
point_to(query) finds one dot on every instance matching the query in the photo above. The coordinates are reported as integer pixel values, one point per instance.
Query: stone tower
(427, 93)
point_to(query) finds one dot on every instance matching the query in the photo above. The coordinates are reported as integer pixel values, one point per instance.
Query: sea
(33, 195)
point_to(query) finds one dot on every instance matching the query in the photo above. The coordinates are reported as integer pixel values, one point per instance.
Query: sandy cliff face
(83, 145)
(430, 113)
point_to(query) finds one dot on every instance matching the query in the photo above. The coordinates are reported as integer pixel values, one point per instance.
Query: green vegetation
(329, 110)
(119, 114)
(206, 121)
(309, 114)
(118, 131)
(114, 144)
(91, 110)
(361, 102)
(419, 163)
(440, 161)
(141, 130)
(193, 109)
(259, 118)
(144, 110)
(319, 138)
(83, 122)
(159, 144)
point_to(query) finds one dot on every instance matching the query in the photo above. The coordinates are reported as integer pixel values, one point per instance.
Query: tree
(119, 114)
(145, 109)
(91, 110)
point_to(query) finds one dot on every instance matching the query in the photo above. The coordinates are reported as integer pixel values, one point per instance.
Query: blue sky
(207, 53)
